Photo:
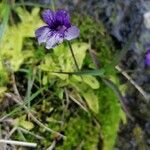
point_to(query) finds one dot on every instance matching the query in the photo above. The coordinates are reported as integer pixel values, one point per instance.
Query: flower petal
(71, 33)
(48, 17)
(39, 31)
(63, 18)
(42, 34)
(147, 59)
(54, 40)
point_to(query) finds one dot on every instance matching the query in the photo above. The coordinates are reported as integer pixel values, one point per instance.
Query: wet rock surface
(121, 18)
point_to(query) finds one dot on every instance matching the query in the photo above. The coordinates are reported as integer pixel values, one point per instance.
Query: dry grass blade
(20, 143)
(15, 86)
(28, 132)
(133, 83)
(32, 116)
(78, 103)
(52, 146)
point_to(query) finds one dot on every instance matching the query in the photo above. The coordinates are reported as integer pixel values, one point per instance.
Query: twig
(20, 143)
(133, 83)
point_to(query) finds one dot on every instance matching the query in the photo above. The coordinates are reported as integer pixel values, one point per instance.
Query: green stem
(72, 53)
(53, 4)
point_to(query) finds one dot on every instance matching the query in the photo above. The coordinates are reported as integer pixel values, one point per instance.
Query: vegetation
(44, 85)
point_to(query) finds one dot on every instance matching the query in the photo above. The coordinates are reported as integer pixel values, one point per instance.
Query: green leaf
(97, 72)
(89, 80)
(21, 121)
(92, 100)
(64, 56)
(12, 43)
(30, 21)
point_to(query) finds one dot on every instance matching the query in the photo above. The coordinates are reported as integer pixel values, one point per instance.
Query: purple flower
(58, 28)
(147, 58)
